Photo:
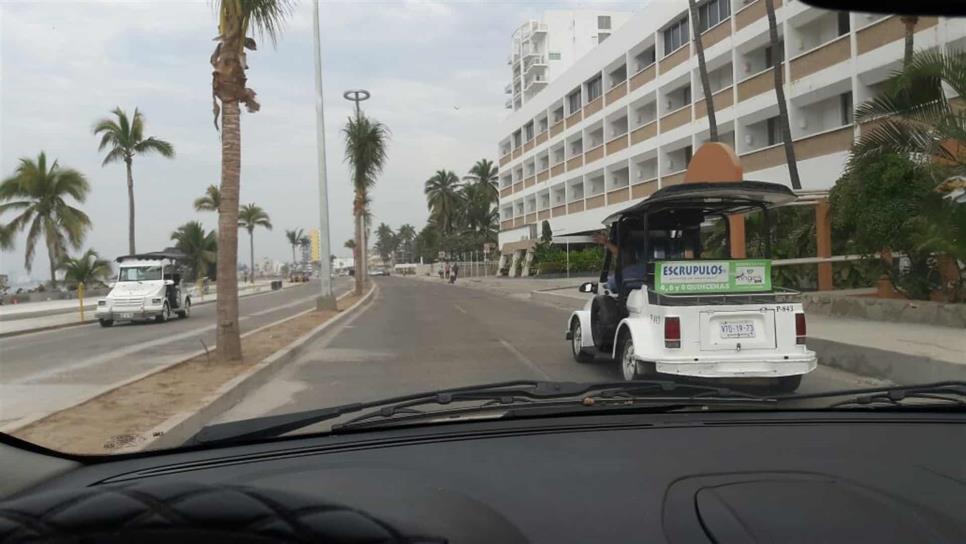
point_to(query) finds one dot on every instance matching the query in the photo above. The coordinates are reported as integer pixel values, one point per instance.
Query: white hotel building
(624, 119)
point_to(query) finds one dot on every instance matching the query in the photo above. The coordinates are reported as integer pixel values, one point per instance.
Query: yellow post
(80, 297)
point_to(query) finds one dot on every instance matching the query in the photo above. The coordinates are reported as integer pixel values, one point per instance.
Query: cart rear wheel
(579, 352)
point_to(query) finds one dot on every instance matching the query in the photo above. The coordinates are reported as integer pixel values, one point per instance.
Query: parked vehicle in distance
(666, 309)
(148, 286)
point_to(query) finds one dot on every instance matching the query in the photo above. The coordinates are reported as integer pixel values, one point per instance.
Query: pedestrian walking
(447, 271)
(455, 272)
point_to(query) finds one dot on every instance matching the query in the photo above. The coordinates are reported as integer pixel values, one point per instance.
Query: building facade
(541, 50)
(623, 121)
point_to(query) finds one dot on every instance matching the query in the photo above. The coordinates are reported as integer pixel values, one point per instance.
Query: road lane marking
(282, 306)
(524, 359)
(460, 308)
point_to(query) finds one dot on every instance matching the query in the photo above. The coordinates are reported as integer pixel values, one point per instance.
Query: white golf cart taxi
(662, 307)
(148, 286)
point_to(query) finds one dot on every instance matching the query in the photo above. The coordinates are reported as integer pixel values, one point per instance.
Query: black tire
(164, 315)
(604, 317)
(629, 366)
(106, 322)
(581, 355)
(186, 312)
(786, 384)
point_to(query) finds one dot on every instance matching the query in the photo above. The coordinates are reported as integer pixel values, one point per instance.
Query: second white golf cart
(663, 307)
(148, 286)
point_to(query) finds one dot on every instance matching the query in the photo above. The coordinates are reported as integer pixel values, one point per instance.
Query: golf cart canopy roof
(711, 198)
(170, 254)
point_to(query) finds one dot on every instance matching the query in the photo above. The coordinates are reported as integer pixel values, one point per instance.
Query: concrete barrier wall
(880, 309)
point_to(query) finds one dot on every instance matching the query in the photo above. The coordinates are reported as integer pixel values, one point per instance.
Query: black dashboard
(696, 477)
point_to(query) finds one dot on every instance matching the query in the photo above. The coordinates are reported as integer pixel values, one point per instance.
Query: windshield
(139, 273)
(757, 199)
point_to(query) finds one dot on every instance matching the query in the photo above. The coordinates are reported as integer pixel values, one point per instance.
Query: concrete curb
(93, 321)
(558, 300)
(179, 428)
(899, 368)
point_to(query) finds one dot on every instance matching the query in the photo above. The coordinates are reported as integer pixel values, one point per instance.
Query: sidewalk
(903, 353)
(54, 316)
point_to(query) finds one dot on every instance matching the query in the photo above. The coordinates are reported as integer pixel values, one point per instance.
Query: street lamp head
(356, 95)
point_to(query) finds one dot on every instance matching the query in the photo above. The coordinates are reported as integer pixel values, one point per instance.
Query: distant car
(148, 286)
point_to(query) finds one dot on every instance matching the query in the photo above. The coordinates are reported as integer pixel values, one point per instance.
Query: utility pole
(326, 300)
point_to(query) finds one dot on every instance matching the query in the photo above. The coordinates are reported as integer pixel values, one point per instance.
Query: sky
(435, 71)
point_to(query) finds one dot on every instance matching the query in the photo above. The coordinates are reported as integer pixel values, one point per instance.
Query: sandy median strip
(112, 420)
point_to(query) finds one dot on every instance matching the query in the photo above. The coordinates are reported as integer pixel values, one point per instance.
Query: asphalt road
(45, 371)
(421, 336)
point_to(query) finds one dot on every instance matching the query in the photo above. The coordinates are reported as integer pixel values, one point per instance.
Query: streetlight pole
(326, 300)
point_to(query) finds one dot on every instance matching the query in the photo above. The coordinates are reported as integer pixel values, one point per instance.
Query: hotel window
(573, 101)
(774, 129)
(603, 22)
(676, 35)
(843, 22)
(713, 12)
(845, 100)
(593, 89)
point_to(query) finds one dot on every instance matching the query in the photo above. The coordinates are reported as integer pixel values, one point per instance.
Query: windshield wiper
(515, 394)
(921, 396)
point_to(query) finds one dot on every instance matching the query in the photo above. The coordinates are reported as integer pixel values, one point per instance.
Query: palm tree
(703, 71)
(349, 244)
(236, 18)
(249, 217)
(40, 194)
(406, 235)
(789, 146)
(366, 142)
(125, 139)
(87, 270)
(200, 247)
(294, 238)
(909, 22)
(484, 173)
(386, 242)
(477, 208)
(913, 116)
(209, 202)
(444, 199)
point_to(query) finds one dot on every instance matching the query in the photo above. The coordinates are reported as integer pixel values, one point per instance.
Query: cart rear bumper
(745, 366)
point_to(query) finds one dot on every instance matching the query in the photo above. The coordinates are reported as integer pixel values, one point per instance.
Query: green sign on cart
(729, 276)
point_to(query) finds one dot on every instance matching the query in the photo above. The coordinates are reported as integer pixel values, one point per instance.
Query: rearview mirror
(588, 287)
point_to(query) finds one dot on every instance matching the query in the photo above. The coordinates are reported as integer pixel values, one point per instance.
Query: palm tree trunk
(228, 333)
(703, 72)
(52, 257)
(130, 208)
(910, 23)
(293, 255)
(780, 97)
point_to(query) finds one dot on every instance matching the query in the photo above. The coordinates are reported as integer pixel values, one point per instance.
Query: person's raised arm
(601, 238)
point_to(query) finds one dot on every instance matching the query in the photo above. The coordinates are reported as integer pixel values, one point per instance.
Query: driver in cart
(634, 271)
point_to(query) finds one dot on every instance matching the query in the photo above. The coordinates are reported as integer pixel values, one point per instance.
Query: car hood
(135, 289)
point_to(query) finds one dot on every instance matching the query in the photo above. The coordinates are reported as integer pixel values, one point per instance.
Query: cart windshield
(139, 273)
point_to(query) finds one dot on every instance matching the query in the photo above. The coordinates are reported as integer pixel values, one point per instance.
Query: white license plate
(127, 316)
(737, 329)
